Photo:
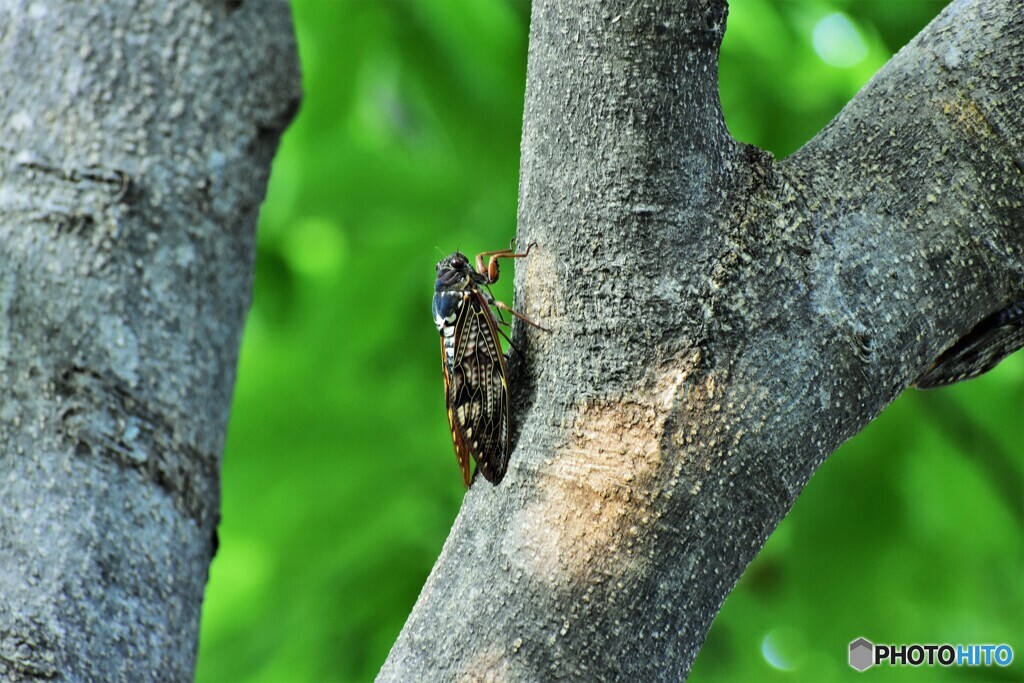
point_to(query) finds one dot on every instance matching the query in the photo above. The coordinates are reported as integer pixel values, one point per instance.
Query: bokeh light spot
(838, 42)
(314, 246)
(783, 648)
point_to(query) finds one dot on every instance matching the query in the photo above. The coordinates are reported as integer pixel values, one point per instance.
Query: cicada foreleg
(491, 270)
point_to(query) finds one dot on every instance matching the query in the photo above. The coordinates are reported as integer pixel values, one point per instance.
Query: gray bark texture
(721, 322)
(137, 140)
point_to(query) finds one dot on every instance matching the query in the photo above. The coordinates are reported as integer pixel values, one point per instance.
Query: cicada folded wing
(477, 391)
(482, 404)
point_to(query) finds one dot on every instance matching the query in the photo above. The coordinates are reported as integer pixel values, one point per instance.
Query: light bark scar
(598, 492)
(539, 301)
(490, 665)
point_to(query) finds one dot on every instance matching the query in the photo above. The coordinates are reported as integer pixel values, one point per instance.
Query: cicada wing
(478, 390)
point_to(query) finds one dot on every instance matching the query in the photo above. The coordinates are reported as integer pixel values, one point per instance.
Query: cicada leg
(491, 270)
(502, 306)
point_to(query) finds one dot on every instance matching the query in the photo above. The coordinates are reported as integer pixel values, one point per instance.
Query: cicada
(475, 376)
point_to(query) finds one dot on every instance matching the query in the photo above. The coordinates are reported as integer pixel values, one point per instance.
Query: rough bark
(721, 322)
(137, 140)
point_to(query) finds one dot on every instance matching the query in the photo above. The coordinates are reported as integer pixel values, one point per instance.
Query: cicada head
(454, 277)
(453, 273)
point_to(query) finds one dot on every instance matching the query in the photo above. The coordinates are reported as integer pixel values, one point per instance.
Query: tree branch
(136, 147)
(721, 323)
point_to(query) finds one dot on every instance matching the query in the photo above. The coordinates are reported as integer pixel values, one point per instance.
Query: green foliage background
(339, 482)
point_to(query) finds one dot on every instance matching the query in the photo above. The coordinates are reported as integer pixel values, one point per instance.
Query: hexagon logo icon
(862, 654)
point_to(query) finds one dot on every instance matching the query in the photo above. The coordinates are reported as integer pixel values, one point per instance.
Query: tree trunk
(136, 146)
(721, 322)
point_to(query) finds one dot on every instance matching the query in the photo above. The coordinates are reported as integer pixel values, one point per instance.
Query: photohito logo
(864, 654)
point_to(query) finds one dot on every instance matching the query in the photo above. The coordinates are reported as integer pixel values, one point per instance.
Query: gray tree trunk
(136, 143)
(721, 322)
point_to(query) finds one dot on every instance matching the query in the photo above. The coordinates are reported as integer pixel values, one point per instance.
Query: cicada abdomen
(475, 375)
